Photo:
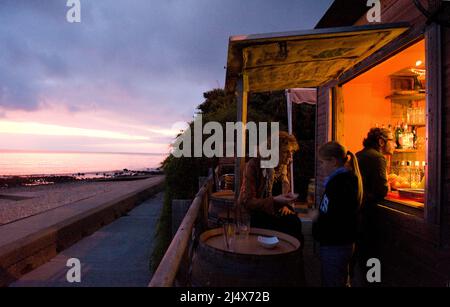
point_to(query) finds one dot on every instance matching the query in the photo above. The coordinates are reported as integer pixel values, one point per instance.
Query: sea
(18, 163)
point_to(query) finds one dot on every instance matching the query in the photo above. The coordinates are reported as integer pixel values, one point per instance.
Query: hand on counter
(286, 210)
(285, 199)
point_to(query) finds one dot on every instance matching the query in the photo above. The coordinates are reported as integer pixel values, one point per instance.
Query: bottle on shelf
(414, 136)
(405, 139)
(416, 118)
(410, 137)
(416, 175)
(402, 171)
(398, 135)
(409, 175)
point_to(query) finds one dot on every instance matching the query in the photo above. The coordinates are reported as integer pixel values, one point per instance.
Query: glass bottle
(398, 135)
(411, 137)
(416, 174)
(402, 170)
(409, 172)
(405, 137)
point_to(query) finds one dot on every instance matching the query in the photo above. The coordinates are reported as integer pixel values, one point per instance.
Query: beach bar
(406, 82)
(393, 73)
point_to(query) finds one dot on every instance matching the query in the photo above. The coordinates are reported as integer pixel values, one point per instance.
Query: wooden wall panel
(445, 211)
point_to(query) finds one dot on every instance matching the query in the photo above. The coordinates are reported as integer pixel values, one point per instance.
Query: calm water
(24, 163)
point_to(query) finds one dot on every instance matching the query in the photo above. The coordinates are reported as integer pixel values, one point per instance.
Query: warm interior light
(418, 63)
(419, 72)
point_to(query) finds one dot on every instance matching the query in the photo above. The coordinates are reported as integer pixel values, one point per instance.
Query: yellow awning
(277, 61)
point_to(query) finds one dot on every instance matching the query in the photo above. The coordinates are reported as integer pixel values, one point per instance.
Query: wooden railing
(166, 273)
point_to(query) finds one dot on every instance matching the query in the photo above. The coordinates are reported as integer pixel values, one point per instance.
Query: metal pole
(241, 93)
(289, 115)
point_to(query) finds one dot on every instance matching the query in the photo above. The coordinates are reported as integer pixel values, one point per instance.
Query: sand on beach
(21, 202)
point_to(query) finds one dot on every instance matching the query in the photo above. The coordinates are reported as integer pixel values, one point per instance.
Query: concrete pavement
(116, 255)
(31, 242)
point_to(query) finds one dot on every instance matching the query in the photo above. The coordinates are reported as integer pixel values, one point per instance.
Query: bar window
(392, 95)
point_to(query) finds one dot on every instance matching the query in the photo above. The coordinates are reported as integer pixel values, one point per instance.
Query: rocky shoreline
(39, 180)
(23, 201)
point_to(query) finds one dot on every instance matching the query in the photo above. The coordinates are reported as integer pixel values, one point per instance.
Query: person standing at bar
(335, 222)
(372, 162)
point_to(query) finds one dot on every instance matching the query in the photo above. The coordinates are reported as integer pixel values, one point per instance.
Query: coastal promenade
(30, 242)
(116, 255)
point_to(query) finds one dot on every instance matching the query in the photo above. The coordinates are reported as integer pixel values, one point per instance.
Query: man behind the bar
(372, 163)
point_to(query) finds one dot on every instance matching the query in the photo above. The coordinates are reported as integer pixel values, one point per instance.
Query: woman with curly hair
(259, 186)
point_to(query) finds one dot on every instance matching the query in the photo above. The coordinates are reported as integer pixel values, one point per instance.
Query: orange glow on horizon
(32, 128)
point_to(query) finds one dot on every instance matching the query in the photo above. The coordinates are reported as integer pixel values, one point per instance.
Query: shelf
(405, 150)
(416, 96)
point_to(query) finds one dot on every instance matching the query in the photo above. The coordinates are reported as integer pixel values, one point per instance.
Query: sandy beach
(21, 202)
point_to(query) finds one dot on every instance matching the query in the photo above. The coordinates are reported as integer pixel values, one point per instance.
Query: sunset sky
(129, 74)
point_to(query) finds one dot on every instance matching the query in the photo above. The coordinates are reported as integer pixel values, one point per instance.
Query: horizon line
(79, 152)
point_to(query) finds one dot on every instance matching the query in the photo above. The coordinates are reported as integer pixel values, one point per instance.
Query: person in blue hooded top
(336, 219)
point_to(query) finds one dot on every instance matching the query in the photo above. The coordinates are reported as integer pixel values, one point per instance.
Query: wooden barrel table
(221, 206)
(249, 264)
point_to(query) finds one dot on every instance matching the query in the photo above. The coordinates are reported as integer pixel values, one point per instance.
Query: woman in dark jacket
(259, 186)
(336, 220)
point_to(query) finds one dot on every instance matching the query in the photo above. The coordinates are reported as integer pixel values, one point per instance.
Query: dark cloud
(146, 58)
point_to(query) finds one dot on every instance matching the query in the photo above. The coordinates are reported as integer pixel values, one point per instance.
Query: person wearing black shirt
(372, 162)
(335, 225)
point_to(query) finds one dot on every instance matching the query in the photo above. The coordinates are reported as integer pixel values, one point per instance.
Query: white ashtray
(268, 242)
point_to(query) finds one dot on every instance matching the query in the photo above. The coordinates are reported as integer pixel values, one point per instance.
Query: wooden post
(338, 114)
(242, 96)
(329, 113)
(202, 181)
(434, 126)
